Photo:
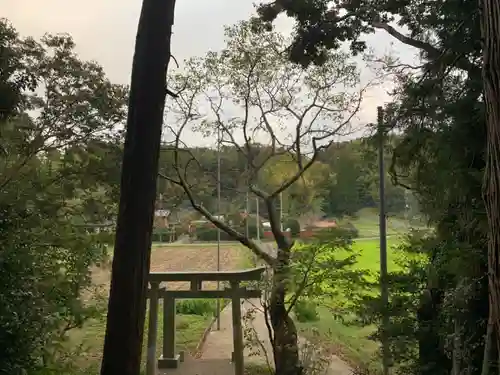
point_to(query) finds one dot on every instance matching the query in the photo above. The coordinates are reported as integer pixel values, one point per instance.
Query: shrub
(350, 229)
(252, 226)
(210, 234)
(305, 311)
(294, 226)
(252, 230)
(196, 306)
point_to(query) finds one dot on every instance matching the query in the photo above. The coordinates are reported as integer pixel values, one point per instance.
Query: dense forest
(343, 181)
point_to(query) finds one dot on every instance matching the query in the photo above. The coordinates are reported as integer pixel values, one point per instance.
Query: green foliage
(211, 234)
(349, 229)
(306, 311)
(407, 282)
(58, 145)
(345, 180)
(353, 183)
(252, 226)
(439, 116)
(321, 26)
(322, 270)
(294, 226)
(196, 306)
(208, 232)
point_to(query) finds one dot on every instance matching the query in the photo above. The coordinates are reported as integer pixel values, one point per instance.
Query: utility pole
(384, 292)
(219, 214)
(281, 212)
(257, 217)
(407, 207)
(247, 211)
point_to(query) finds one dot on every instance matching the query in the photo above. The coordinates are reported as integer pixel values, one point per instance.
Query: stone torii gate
(171, 359)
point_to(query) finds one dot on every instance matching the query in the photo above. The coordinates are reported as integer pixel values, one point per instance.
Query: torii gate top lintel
(240, 275)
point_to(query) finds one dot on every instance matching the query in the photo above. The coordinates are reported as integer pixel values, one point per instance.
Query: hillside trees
(439, 110)
(56, 104)
(342, 181)
(252, 94)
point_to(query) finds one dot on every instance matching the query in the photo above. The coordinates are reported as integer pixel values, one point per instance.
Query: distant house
(323, 224)
(316, 226)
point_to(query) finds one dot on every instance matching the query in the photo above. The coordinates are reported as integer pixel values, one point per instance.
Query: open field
(367, 223)
(369, 254)
(86, 343)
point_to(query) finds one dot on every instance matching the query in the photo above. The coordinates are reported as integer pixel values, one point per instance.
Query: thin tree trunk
(488, 350)
(285, 343)
(490, 29)
(127, 300)
(457, 349)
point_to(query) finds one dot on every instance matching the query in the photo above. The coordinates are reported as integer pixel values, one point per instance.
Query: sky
(104, 31)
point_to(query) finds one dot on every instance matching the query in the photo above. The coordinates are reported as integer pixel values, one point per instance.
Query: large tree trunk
(490, 29)
(127, 300)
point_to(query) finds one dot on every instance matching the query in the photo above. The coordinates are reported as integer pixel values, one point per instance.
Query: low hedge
(210, 234)
(164, 235)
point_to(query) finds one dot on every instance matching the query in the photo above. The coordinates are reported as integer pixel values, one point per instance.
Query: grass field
(367, 223)
(350, 341)
(86, 343)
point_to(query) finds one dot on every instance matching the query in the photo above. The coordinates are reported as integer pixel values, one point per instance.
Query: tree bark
(490, 30)
(127, 300)
(285, 340)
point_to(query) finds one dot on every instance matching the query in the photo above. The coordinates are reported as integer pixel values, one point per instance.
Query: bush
(350, 229)
(210, 234)
(252, 226)
(252, 230)
(294, 226)
(305, 311)
(196, 307)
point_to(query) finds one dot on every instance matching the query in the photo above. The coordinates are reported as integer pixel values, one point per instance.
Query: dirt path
(215, 359)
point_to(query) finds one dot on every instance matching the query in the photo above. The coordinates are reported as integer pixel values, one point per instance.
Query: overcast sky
(104, 31)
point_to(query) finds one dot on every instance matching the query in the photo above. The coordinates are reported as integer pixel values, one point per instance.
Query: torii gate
(169, 358)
